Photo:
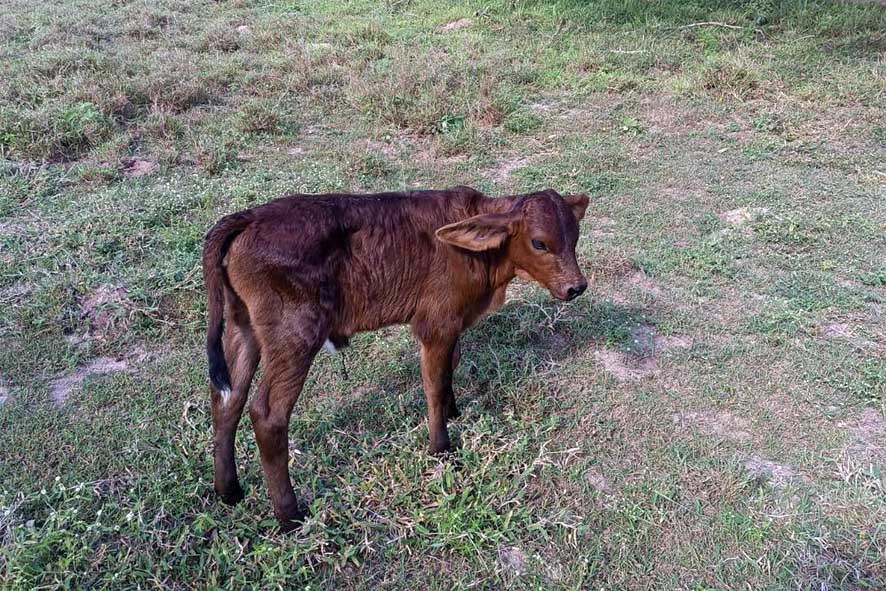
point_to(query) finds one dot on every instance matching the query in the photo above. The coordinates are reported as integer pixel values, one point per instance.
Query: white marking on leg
(225, 396)
(329, 347)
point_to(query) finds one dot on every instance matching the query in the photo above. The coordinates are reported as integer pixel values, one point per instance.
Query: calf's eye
(539, 245)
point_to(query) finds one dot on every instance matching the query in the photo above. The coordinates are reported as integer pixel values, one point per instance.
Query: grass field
(711, 416)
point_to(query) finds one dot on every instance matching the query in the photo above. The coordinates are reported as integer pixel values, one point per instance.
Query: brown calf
(304, 271)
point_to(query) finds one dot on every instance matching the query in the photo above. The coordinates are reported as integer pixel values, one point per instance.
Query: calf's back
(367, 261)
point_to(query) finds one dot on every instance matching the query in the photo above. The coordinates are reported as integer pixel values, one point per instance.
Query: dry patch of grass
(732, 80)
(722, 424)
(867, 434)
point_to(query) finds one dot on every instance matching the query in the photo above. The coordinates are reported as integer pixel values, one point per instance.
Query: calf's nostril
(575, 291)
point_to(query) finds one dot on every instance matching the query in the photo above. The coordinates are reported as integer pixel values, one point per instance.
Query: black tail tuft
(218, 367)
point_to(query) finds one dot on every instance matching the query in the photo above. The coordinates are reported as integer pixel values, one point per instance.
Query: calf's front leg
(451, 407)
(436, 375)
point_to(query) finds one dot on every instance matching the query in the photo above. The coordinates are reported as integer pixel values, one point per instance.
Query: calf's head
(537, 235)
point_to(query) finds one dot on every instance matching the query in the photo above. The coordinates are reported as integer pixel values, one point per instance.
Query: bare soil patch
(841, 331)
(611, 265)
(388, 149)
(600, 226)
(641, 281)
(640, 360)
(778, 475)
(505, 168)
(462, 23)
(77, 339)
(541, 107)
(554, 570)
(623, 367)
(554, 343)
(742, 216)
(136, 167)
(12, 227)
(15, 291)
(835, 330)
(674, 342)
(662, 115)
(643, 341)
(723, 424)
(62, 387)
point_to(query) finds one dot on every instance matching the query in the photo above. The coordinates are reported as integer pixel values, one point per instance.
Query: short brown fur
(284, 277)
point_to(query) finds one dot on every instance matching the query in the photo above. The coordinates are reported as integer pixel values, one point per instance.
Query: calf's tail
(215, 247)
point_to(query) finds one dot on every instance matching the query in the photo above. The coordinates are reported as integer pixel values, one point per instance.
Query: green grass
(710, 416)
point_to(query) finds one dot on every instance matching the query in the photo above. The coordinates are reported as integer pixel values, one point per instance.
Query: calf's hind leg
(242, 355)
(287, 352)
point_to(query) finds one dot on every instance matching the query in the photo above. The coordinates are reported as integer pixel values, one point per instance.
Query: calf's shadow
(522, 339)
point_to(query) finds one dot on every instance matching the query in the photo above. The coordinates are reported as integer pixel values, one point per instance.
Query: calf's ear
(579, 204)
(481, 232)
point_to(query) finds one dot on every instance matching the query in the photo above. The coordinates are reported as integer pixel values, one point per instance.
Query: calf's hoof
(439, 448)
(230, 495)
(292, 521)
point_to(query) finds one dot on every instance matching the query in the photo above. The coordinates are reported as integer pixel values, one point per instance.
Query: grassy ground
(711, 417)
